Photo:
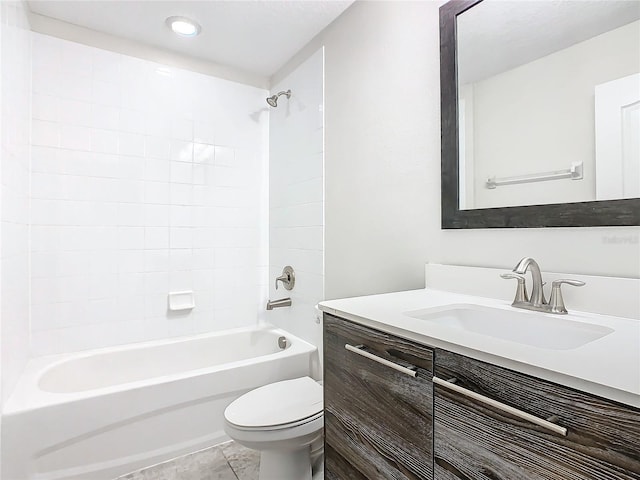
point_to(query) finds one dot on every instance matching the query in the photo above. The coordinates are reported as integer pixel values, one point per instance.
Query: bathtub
(102, 413)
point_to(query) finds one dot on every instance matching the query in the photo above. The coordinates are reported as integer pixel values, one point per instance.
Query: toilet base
(286, 464)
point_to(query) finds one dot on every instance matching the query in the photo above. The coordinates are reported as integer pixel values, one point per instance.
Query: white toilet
(281, 420)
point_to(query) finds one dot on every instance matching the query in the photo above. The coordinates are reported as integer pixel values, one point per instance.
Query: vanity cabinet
(378, 415)
(460, 418)
(476, 439)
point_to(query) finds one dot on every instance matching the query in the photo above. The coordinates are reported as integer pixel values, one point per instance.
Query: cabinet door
(478, 441)
(378, 420)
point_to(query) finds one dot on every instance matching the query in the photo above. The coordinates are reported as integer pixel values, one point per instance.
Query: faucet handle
(575, 283)
(556, 302)
(288, 278)
(521, 290)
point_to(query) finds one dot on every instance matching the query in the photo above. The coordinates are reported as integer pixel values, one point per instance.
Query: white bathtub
(99, 414)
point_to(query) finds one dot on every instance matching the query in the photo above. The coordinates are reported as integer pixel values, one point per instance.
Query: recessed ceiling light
(183, 26)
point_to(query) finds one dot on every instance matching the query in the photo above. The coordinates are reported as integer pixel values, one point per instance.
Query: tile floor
(227, 461)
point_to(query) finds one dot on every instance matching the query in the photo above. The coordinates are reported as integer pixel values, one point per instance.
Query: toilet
(282, 420)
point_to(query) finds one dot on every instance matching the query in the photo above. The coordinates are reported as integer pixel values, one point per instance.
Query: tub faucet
(283, 302)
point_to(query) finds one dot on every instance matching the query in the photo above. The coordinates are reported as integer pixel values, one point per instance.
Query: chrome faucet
(537, 302)
(283, 302)
(537, 293)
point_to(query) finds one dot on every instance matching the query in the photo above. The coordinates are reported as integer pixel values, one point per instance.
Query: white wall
(382, 166)
(15, 101)
(145, 179)
(540, 117)
(296, 216)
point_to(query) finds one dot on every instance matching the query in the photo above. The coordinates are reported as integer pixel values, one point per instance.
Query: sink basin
(553, 332)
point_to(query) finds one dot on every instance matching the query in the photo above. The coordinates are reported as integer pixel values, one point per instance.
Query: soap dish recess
(181, 300)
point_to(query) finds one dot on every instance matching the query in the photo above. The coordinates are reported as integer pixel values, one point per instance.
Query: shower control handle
(288, 278)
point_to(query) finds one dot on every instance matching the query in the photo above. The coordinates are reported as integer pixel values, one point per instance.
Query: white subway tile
(158, 147)
(104, 261)
(75, 59)
(45, 107)
(131, 214)
(181, 172)
(103, 286)
(45, 134)
(181, 280)
(181, 237)
(158, 124)
(75, 137)
(181, 216)
(131, 309)
(182, 129)
(131, 285)
(156, 193)
(46, 160)
(203, 258)
(104, 141)
(157, 170)
(131, 238)
(74, 112)
(203, 153)
(181, 151)
(181, 194)
(156, 260)
(225, 156)
(156, 215)
(200, 174)
(130, 191)
(104, 117)
(133, 121)
(106, 65)
(74, 87)
(131, 144)
(203, 132)
(156, 238)
(105, 93)
(130, 261)
(158, 283)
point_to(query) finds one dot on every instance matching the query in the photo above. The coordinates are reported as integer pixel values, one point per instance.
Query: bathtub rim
(28, 396)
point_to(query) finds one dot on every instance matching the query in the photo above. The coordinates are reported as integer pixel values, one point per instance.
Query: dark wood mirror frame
(623, 212)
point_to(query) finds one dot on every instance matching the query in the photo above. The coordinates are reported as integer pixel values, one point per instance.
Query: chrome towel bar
(359, 350)
(574, 172)
(501, 406)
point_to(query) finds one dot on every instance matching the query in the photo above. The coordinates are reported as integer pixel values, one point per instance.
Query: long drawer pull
(359, 350)
(501, 406)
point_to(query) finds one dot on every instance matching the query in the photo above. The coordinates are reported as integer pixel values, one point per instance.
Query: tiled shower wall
(145, 179)
(296, 215)
(15, 99)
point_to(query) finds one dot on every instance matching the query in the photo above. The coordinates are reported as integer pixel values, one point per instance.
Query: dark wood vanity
(384, 422)
(378, 421)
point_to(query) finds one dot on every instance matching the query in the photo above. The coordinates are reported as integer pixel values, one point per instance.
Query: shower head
(273, 99)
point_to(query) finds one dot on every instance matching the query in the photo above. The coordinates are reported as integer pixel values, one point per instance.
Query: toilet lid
(278, 403)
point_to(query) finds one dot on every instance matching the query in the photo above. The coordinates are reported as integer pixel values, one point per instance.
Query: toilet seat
(280, 405)
(297, 423)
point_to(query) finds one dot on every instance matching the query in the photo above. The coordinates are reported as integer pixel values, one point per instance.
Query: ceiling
(257, 37)
(498, 35)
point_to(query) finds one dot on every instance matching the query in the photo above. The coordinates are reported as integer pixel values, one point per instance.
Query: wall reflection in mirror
(548, 102)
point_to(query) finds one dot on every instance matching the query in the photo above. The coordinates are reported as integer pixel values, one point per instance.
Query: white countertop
(608, 367)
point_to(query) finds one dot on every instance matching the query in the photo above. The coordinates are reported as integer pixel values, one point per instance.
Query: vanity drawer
(378, 417)
(476, 440)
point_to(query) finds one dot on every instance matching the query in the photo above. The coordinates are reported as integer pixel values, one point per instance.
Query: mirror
(540, 113)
